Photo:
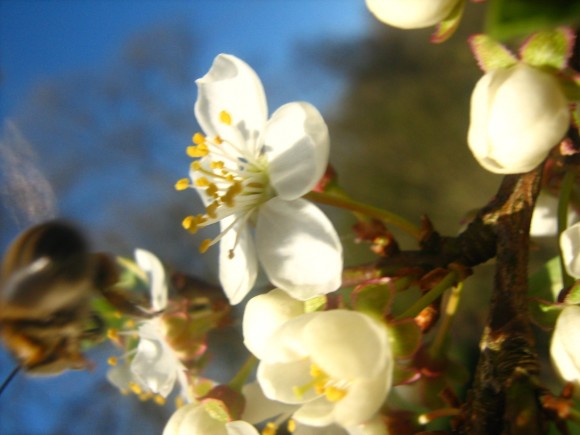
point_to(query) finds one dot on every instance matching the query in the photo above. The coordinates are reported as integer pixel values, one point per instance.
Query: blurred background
(96, 105)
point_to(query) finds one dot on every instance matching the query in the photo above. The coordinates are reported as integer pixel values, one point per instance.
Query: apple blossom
(518, 115)
(564, 348)
(411, 14)
(251, 175)
(545, 216)
(337, 365)
(570, 247)
(155, 366)
(194, 419)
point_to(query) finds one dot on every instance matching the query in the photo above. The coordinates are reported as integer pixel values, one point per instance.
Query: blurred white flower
(337, 365)
(155, 366)
(570, 247)
(251, 175)
(518, 115)
(411, 14)
(194, 419)
(545, 217)
(565, 349)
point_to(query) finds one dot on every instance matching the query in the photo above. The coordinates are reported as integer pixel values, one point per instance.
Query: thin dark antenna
(9, 378)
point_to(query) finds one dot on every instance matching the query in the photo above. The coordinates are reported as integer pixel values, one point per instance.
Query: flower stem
(430, 296)
(450, 309)
(367, 210)
(565, 193)
(239, 380)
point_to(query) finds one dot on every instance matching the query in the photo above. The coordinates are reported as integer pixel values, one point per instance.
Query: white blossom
(564, 349)
(411, 14)
(518, 115)
(251, 175)
(545, 216)
(336, 365)
(194, 419)
(570, 247)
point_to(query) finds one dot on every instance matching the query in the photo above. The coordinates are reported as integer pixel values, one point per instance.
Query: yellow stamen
(218, 164)
(270, 429)
(202, 182)
(200, 150)
(130, 324)
(211, 209)
(291, 426)
(112, 334)
(195, 165)
(225, 118)
(204, 246)
(182, 184)
(160, 400)
(179, 402)
(218, 140)
(112, 361)
(135, 388)
(198, 138)
(334, 394)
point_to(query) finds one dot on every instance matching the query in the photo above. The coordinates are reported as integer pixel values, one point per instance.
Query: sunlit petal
(298, 248)
(296, 138)
(151, 265)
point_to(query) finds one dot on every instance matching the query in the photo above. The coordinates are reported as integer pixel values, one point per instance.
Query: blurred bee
(48, 278)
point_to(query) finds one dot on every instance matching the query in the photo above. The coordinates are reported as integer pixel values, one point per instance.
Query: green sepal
(546, 282)
(490, 54)
(316, 303)
(507, 19)
(405, 338)
(544, 313)
(548, 49)
(571, 87)
(373, 298)
(224, 403)
(449, 25)
(404, 375)
(573, 295)
(216, 409)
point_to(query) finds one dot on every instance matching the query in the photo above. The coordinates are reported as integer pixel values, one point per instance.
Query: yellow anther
(113, 334)
(202, 182)
(334, 394)
(200, 150)
(204, 246)
(117, 314)
(218, 140)
(212, 190)
(195, 165)
(182, 184)
(270, 429)
(135, 388)
(216, 164)
(316, 371)
(160, 400)
(198, 138)
(179, 402)
(130, 323)
(225, 118)
(143, 397)
(112, 361)
(234, 190)
(211, 209)
(231, 254)
(291, 426)
(188, 223)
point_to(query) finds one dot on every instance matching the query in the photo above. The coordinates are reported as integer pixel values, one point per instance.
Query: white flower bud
(411, 14)
(518, 114)
(564, 350)
(570, 247)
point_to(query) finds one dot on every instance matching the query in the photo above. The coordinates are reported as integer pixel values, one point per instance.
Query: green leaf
(507, 19)
(550, 48)
(546, 282)
(405, 338)
(490, 54)
(447, 27)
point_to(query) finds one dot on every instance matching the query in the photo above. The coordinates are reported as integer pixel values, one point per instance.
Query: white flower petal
(298, 145)
(231, 85)
(278, 381)
(318, 412)
(365, 397)
(264, 314)
(298, 248)
(411, 14)
(151, 265)
(570, 246)
(259, 408)
(237, 273)
(564, 349)
(374, 426)
(324, 337)
(193, 419)
(154, 364)
(240, 428)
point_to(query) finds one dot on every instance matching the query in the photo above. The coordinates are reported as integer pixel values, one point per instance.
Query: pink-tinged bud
(518, 115)
(411, 14)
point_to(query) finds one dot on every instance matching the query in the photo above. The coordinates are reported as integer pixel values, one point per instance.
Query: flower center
(231, 177)
(323, 384)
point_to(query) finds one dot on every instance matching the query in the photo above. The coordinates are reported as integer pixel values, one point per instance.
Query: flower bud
(564, 349)
(518, 114)
(411, 14)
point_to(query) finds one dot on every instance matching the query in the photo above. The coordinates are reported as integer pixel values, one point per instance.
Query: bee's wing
(25, 193)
